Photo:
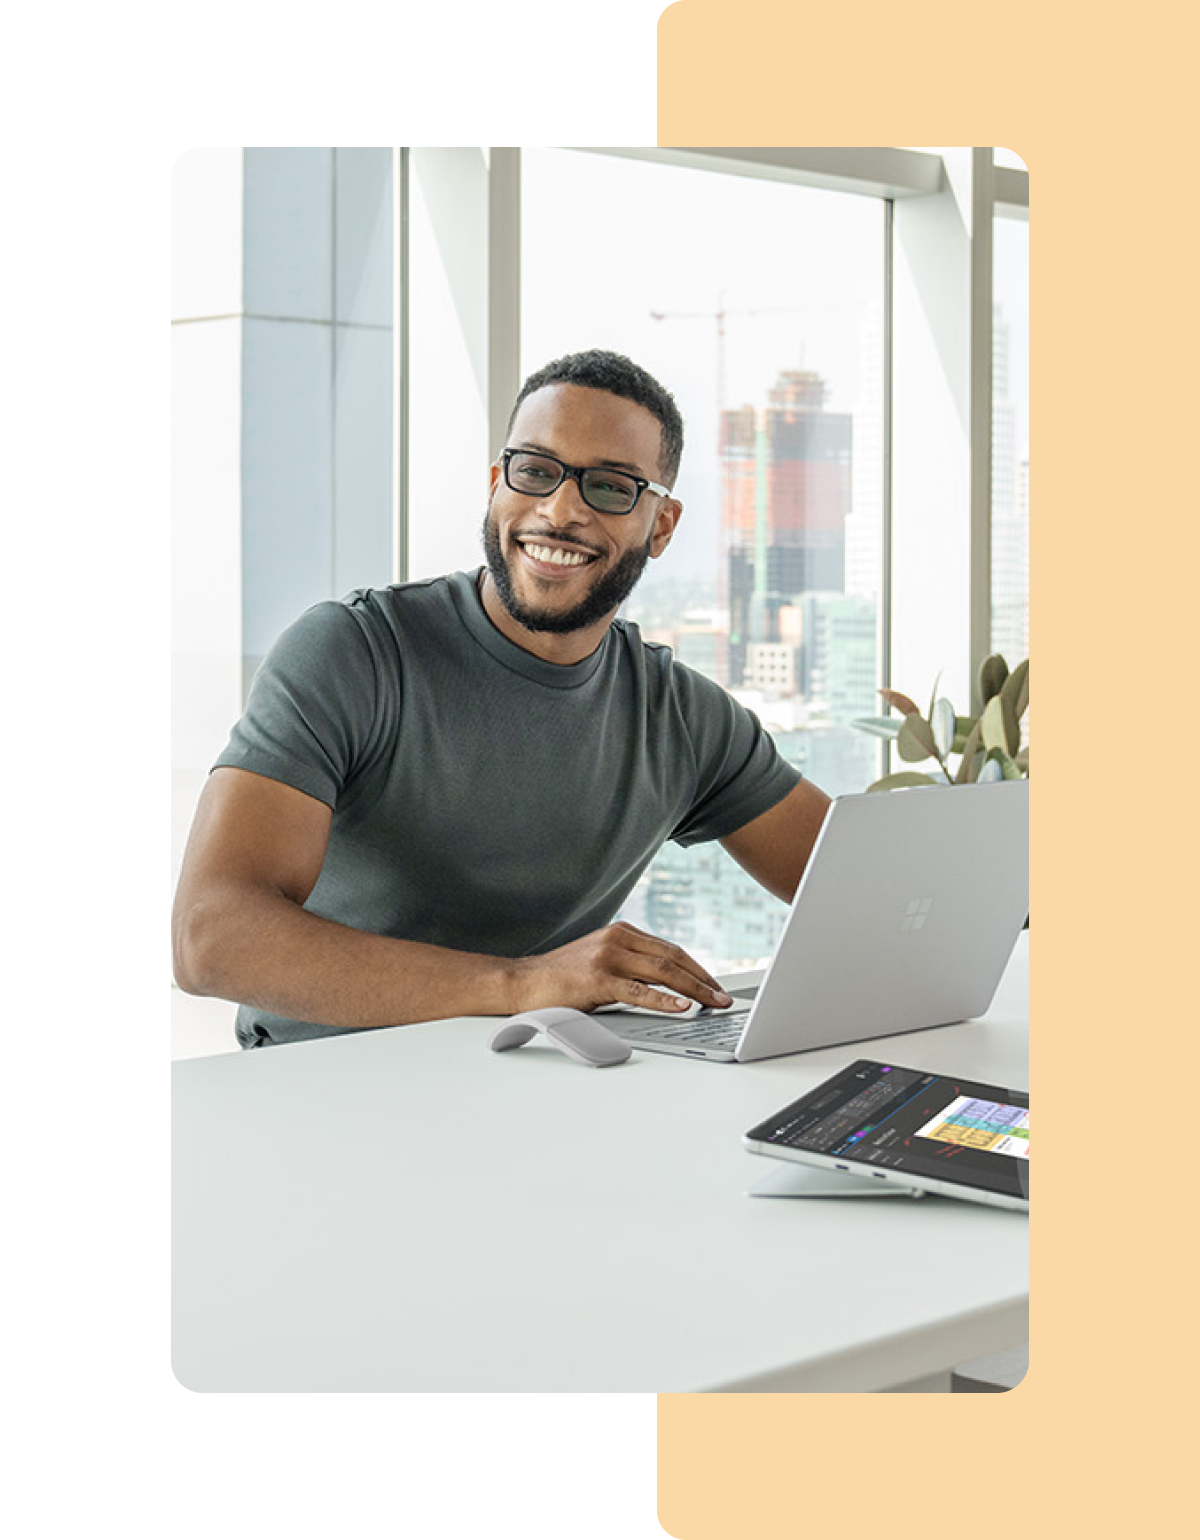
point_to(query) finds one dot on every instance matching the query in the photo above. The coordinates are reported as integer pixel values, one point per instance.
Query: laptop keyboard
(704, 1032)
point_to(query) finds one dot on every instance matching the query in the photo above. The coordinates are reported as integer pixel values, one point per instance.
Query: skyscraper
(785, 497)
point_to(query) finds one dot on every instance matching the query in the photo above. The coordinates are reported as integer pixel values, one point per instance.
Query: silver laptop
(905, 917)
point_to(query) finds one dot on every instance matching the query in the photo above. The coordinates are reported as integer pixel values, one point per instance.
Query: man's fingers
(652, 961)
(674, 968)
(635, 992)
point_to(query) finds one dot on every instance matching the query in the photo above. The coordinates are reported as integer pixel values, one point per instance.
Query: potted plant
(989, 746)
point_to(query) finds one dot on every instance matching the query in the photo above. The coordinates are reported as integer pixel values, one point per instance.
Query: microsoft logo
(915, 914)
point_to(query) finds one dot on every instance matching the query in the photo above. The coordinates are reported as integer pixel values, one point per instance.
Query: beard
(607, 594)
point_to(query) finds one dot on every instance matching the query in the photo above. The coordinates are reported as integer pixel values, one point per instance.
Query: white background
(97, 104)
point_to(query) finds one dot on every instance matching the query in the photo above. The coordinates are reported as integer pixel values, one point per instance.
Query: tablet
(926, 1132)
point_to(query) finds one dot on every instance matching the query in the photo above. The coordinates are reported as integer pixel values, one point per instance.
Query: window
(759, 304)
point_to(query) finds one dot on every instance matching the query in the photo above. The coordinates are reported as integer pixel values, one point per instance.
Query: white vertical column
(941, 464)
(464, 343)
(363, 368)
(504, 290)
(206, 359)
(972, 171)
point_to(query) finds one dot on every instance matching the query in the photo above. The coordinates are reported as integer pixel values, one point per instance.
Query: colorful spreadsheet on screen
(981, 1125)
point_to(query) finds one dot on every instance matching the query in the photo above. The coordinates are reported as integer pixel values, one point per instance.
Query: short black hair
(598, 369)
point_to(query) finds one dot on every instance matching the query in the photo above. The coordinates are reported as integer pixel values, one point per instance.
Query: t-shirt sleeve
(311, 718)
(739, 771)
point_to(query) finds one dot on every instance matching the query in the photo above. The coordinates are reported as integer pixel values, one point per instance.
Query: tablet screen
(908, 1120)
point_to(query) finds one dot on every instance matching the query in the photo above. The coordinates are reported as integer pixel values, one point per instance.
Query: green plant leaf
(990, 771)
(993, 671)
(991, 724)
(1001, 730)
(1021, 761)
(902, 778)
(967, 769)
(1012, 728)
(1016, 689)
(902, 703)
(1009, 769)
(942, 722)
(880, 727)
(933, 695)
(915, 738)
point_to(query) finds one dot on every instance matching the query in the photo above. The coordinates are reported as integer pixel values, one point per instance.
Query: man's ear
(493, 477)
(670, 511)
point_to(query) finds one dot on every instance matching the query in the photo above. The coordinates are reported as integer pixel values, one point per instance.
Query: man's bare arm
(774, 848)
(240, 932)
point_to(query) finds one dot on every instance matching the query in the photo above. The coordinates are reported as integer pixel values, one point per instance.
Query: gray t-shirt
(484, 799)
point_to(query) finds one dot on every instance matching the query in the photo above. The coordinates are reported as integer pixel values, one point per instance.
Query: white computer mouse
(575, 1034)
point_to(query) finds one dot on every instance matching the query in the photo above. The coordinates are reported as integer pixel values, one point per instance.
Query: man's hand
(619, 965)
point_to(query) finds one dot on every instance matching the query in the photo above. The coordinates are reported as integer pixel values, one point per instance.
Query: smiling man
(441, 793)
(548, 571)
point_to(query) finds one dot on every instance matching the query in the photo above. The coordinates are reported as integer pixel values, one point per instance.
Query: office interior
(846, 331)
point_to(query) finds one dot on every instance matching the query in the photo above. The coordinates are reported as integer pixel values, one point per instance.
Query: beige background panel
(1093, 99)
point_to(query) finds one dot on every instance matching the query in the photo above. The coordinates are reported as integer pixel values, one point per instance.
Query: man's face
(557, 564)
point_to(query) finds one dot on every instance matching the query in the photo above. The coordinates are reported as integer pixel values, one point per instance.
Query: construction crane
(720, 315)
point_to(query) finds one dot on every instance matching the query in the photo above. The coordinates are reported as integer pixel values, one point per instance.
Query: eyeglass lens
(606, 491)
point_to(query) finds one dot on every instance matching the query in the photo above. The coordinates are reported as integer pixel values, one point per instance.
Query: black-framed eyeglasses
(537, 475)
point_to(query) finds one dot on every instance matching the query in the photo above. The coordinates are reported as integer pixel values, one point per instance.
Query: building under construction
(785, 495)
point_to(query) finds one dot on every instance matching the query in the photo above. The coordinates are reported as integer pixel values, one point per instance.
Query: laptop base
(788, 1181)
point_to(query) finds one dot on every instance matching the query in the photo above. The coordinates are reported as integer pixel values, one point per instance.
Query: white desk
(403, 1210)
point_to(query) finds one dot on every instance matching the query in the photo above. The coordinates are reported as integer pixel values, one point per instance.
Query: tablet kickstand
(788, 1181)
